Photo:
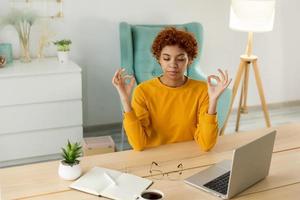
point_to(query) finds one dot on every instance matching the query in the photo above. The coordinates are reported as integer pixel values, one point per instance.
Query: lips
(172, 72)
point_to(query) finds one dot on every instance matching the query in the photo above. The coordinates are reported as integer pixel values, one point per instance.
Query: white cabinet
(40, 108)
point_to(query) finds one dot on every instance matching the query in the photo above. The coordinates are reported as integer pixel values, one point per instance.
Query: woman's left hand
(215, 90)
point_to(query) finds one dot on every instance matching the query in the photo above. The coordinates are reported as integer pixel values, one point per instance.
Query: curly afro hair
(172, 36)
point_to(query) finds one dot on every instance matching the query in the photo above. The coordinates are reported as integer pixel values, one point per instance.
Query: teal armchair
(137, 59)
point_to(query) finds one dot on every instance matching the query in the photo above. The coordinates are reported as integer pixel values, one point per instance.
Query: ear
(157, 59)
(190, 62)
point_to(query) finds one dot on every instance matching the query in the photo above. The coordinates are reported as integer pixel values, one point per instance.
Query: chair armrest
(223, 105)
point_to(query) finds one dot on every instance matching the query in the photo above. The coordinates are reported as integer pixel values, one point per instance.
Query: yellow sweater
(163, 114)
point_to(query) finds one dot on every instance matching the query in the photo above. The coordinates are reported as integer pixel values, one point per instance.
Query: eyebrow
(165, 54)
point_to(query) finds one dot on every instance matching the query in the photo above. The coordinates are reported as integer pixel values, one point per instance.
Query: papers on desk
(111, 184)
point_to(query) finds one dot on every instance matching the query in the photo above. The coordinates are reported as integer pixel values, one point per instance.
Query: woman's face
(174, 62)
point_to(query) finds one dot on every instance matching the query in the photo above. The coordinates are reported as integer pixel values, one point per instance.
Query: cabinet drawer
(42, 88)
(23, 118)
(37, 143)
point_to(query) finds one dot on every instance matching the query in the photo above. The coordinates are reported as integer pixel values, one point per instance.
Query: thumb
(132, 81)
(209, 83)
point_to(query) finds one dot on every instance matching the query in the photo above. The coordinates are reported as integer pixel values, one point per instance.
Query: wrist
(212, 112)
(212, 108)
(126, 104)
(127, 109)
(213, 100)
(123, 95)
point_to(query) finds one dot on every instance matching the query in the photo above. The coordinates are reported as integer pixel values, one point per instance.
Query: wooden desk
(41, 181)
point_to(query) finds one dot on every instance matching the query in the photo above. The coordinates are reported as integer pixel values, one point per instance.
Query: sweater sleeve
(137, 123)
(207, 126)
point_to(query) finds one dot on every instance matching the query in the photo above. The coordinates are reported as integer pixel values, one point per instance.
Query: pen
(110, 178)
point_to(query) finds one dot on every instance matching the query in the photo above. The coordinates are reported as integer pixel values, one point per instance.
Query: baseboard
(102, 127)
(276, 105)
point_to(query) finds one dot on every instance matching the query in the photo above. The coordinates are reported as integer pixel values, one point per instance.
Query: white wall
(93, 27)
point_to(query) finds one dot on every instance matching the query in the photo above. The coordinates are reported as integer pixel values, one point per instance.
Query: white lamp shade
(252, 15)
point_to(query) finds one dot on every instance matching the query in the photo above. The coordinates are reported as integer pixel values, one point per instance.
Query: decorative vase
(63, 56)
(22, 20)
(25, 54)
(68, 172)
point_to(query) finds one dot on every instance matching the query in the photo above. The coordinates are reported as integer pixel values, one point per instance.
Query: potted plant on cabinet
(69, 167)
(63, 49)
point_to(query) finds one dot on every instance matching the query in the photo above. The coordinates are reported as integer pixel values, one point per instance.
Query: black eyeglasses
(156, 172)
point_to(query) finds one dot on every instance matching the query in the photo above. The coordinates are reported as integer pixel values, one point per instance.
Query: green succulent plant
(71, 153)
(63, 45)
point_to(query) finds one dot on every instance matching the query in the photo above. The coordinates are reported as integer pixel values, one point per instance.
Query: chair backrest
(137, 59)
(136, 56)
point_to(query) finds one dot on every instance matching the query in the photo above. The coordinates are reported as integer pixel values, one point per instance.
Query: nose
(173, 64)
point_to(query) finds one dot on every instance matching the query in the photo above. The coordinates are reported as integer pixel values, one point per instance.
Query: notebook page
(127, 187)
(95, 181)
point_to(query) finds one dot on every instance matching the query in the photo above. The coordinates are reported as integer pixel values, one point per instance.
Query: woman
(171, 108)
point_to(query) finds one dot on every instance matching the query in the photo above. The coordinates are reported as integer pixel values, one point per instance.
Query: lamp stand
(247, 60)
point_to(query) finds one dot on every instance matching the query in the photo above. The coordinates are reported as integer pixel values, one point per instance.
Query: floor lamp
(249, 16)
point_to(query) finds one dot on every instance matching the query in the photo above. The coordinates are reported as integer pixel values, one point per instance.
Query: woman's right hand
(119, 81)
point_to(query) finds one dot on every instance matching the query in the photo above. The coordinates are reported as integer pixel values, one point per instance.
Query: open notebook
(111, 184)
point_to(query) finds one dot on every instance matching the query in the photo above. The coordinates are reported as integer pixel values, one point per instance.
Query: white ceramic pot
(63, 56)
(68, 172)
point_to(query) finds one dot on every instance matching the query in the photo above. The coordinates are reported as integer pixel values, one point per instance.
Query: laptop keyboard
(220, 184)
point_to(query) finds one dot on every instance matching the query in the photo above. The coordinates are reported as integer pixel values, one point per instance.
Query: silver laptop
(250, 164)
